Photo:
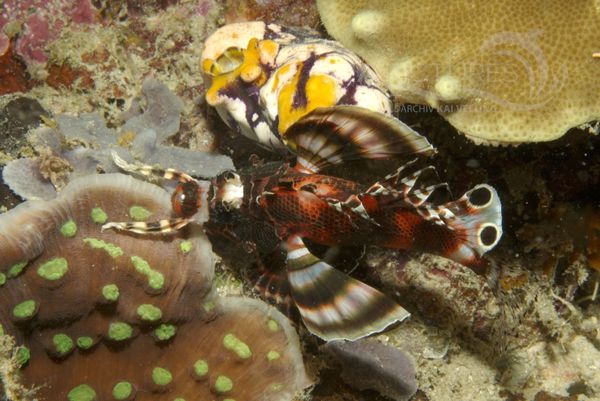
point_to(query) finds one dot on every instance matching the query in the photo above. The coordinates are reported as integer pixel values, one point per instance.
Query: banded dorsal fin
(352, 205)
(406, 188)
(333, 305)
(420, 196)
(333, 135)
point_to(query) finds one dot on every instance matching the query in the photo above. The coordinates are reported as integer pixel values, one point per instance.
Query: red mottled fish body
(296, 204)
(322, 209)
(278, 204)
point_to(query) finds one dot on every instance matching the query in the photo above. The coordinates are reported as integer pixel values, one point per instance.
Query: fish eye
(230, 175)
(185, 199)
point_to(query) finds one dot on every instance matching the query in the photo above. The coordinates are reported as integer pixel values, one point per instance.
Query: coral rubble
(13, 74)
(36, 29)
(80, 320)
(285, 12)
(525, 338)
(499, 71)
(84, 56)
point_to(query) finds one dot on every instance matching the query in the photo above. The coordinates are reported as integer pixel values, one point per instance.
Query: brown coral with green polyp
(82, 392)
(123, 390)
(200, 368)
(54, 269)
(120, 331)
(185, 246)
(156, 279)
(25, 309)
(63, 344)
(120, 305)
(223, 384)
(209, 373)
(161, 376)
(110, 292)
(149, 313)
(85, 342)
(22, 355)
(139, 213)
(240, 348)
(69, 229)
(164, 332)
(112, 249)
(98, 215)
(16, 269)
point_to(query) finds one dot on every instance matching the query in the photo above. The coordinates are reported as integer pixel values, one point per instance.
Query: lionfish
(290, 90)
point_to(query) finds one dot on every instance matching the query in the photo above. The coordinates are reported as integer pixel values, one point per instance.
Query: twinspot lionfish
(290, 90)
(293, 203)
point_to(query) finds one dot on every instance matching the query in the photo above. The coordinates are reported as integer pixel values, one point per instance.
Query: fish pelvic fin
(333, 305)
(476, 218)
(330, 136)
(270, 281)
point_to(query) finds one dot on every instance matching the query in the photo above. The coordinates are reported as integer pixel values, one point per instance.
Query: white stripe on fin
(329, 136)
(333, 305)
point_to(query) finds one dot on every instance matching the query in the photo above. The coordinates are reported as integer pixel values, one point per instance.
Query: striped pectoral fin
(329, 136)
(154, 227)
(333, 305)
(151, 171)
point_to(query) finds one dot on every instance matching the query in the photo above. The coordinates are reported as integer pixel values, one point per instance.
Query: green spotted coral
(132, 308)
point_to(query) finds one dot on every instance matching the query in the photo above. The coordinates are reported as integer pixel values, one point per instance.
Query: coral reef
(96, 59)
(593, 252)
(500, 72)
(532, 335)
(26, 28)
(17, 116)
(103, 315)
(447, 293)
(13, 74)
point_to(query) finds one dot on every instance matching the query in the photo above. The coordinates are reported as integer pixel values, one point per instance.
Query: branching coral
(105, 315)
(499, 71)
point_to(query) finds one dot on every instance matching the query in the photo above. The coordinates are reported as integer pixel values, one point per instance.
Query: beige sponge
(507, 71)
